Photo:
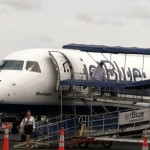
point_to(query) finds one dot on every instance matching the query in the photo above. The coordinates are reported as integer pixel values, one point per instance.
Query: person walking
(28, 123)
(100, 75)
(99, 72)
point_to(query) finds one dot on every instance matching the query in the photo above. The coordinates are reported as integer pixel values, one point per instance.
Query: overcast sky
(53, 23)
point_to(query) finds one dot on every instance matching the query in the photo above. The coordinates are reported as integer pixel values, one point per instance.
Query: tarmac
(15, 139)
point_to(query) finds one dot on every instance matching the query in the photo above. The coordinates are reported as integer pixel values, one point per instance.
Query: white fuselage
(28, 86)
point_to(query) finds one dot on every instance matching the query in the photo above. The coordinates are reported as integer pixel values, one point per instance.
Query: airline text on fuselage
(131, 74)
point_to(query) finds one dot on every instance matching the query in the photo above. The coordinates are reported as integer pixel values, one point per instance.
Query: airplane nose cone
(6, 90)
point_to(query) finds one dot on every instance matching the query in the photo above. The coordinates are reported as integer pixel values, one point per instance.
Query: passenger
(99, 74)
(28, 123)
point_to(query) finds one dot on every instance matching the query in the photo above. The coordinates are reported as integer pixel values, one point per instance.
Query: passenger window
(33, 66)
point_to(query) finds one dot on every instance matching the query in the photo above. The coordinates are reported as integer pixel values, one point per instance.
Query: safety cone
(61, 140)
(6, 126)
(145, 144)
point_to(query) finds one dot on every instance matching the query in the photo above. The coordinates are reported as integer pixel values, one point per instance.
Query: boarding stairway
(117, 98)
(115, 122)
(48, 132)
(91, 126)
(128, 121)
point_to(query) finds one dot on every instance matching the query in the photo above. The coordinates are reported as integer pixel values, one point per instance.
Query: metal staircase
(92, 126)
(49, 133)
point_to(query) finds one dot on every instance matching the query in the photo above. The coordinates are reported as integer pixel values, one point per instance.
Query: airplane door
(63, 67)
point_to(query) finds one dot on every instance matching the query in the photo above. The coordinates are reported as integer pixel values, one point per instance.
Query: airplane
(29, 79)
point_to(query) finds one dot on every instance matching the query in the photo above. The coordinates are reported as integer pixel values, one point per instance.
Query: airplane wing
(145, 84)
(108, 49)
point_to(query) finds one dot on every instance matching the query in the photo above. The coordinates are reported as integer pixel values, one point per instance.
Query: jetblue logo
(113, 71)
(134, 115)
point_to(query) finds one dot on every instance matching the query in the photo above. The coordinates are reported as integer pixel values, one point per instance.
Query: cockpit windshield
(12, 65)
(33, 66)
